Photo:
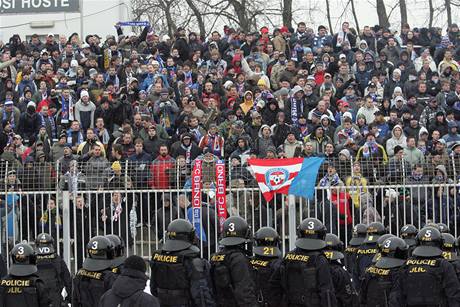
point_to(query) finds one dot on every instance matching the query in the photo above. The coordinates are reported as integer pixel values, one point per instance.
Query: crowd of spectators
(134, 111)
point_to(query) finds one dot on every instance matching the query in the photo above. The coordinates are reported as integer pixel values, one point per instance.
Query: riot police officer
(358, 236)
(379, 278)
(345, 292)
(22, 287)
(179, 277)
(367, 250)
(305, 273)
(119, 252)
(96, 276)
(380, 245)
(266, 260)
(408, 233)
(427, 279)
(52, 270)
(3, 268)
(230, 267)
(449, 251)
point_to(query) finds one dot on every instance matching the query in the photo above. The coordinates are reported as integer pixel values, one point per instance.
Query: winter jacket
(84, 113)
(128, 290)
(159, 175)
(393, 141)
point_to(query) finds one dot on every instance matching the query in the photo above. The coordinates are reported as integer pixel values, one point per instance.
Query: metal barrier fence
(140, 217)
(99, 174)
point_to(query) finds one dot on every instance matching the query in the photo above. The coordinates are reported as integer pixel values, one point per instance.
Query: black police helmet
(434, 225)
(100, 252)
(359, 234)
(449, 247)
(44, 244)
(429, 243)
(180, 235)
(379, 241)
(334, 247)
(236, 232)
(374, 231)
(408, 233)
(118, 249)
(23, 260)
(394, 252)
(382, 238)
(311, 234)
(443, 228)
(267, 242)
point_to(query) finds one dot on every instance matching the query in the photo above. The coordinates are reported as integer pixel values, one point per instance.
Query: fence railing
(100, 174)
(140, 217)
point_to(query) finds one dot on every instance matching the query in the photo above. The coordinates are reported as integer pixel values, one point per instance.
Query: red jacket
(342, 203)
(159, 178)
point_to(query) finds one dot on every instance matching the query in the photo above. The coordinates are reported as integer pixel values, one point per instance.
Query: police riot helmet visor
(389, 262)
(410, 241)
(118, 261)
(232, 241)
(22, 269)
(357, 241)
(427, 251)
(175, 245)
(333, 255)
(310, 244)
(267, 251)
(95, 265)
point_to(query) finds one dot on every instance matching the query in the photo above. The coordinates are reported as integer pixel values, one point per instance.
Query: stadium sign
(38, 6)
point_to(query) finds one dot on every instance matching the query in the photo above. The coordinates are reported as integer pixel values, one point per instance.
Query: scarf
(197, 134)
(188, 78)
(70, 137)
(66, 110)
(11, 119)
(327, 180)
(294, 112)
(187, 152)
(213, 143)
(372, 149)
(47, 122)
(45, 217)
(116, 212)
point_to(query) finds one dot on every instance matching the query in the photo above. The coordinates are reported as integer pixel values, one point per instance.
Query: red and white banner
(196, 192)
(275, 175)
(221, 190)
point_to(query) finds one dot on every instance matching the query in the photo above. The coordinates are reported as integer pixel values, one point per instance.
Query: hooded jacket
(128, 290)
(394, 141)
(262, 144)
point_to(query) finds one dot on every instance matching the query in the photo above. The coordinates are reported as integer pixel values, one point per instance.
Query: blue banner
(303, 184)
(134, 24)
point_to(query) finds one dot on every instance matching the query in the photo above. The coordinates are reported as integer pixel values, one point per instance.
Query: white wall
(99, 17)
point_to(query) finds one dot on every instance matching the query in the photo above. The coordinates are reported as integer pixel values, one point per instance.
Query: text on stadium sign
(38, 6)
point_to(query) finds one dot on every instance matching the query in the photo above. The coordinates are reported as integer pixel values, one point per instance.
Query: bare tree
(199, 17)
(328, 16)
(355, 16)
(382, 13)
(431, 13)
(403, 12)
(287, 12)
(448, 6)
